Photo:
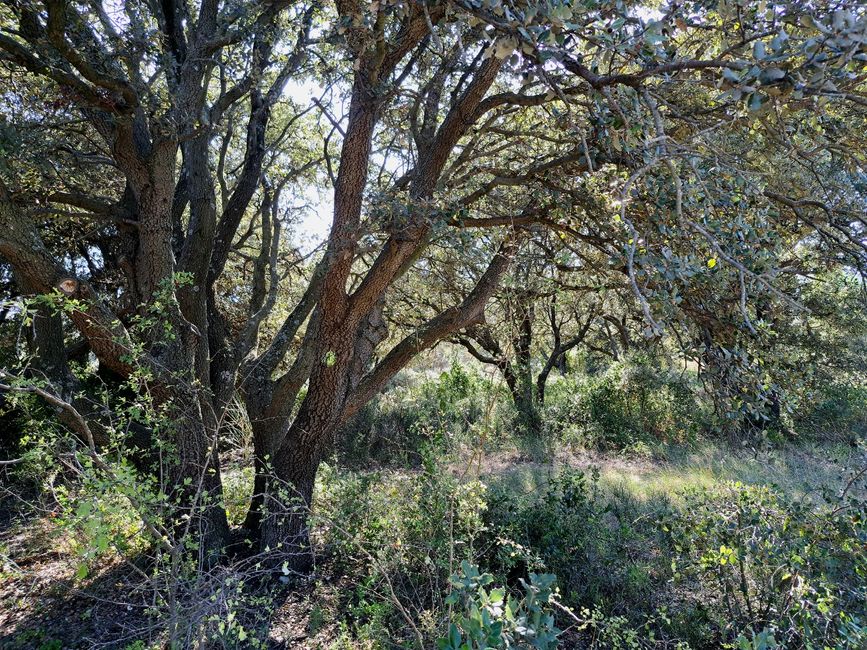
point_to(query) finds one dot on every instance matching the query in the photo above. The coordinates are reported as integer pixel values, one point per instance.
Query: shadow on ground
(45, 606)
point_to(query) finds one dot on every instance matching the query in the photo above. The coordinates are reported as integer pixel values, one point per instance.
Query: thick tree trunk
(253, 519)
(45, 340)
(349, 327)
(192, 471)
(187, 422)
(284, 528)
(527, 408)
(265, 432)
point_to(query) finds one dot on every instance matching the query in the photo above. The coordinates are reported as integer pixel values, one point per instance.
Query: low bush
(774, 571)
(589, 541)
(458, 408)
(837, 411)
(492, 618)
(629, 406)
(398, 538)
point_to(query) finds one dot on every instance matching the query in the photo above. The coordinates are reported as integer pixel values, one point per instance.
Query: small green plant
(136, 645)
(763, 640)
(488, 618)
(619, 633)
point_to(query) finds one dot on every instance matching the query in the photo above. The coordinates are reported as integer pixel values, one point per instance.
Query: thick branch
(470, 311)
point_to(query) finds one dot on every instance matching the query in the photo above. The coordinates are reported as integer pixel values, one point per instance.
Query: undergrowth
(416, 547)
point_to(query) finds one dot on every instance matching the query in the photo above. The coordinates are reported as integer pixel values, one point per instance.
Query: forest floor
(795, 469)
(45, 606)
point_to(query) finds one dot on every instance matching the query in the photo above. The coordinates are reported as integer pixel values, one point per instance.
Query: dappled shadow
(44, 605)
(535, 448)
(802, 470)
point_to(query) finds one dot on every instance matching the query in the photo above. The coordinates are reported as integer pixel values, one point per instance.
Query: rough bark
(193, 429)
(195, 373)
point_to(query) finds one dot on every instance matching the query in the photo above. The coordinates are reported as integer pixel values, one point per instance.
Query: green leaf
(731, 75)
(454, 636)
(759, 50)
(755, 101)
(770, 75)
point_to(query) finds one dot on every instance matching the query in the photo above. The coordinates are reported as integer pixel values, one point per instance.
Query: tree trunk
(265, 432)
(527, 407)
(284, 528)
(524, 393)
(193, 475)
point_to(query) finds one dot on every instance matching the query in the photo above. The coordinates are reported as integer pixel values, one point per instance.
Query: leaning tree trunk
(347, 325)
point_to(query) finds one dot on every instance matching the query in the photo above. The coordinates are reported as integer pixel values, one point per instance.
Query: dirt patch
(42, 605)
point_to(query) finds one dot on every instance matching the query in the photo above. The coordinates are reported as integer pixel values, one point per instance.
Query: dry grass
(798, 470)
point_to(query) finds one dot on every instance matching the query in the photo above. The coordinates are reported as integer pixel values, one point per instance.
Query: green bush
(569, 529)
(398, 538)
(774, 571)
(457, 409)
(837, 411)
(628, 407)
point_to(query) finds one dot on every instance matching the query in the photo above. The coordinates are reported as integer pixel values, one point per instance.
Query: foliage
(774, 570)
(399, 537)
(836, 410)
(683, 180)
(569, 529)
(488, 617)
(460, 408)
(631, 405)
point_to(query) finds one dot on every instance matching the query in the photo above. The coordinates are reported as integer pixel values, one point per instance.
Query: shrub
(398, 537)
(629, 406)
(568, 529)
(776, 572)
(837, 411)
(491, 618)
(458, 408)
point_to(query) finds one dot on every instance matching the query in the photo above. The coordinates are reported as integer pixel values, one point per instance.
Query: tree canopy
(686, 172)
